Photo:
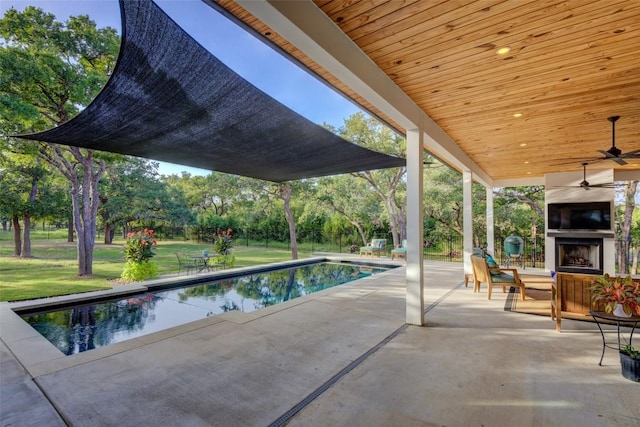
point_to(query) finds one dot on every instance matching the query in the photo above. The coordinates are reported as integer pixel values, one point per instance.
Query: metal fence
(446, 248)
(443, 248)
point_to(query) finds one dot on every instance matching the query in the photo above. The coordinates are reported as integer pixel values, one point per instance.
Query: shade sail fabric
(169, 99)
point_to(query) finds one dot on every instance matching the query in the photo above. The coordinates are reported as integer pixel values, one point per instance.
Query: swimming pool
(82, 327)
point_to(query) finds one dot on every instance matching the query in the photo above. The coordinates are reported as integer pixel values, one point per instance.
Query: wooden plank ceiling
(571, 65)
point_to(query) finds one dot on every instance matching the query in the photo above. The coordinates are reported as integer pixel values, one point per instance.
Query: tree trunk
(26, 216)
(82, 167)
(85, 223)
(629, 206)
(17, 236)
(109, 232)
(26, 241)
(108, 228)
(285, 194)
(70, 229)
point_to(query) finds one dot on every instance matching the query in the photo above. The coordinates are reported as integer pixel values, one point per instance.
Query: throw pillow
(491, 262)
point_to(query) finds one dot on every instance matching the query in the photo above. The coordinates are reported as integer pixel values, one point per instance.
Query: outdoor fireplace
(579, 255)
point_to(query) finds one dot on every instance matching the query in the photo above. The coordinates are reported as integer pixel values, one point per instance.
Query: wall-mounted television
(579, 216)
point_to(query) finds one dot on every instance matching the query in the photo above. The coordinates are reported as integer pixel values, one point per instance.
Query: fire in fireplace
(579, 255)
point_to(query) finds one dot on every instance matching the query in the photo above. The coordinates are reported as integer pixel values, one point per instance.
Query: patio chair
(469, 276)
(401, 251)
(186, 263)
(376, 247)
(494, 276)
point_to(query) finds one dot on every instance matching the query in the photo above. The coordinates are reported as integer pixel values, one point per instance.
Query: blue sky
(238, 49)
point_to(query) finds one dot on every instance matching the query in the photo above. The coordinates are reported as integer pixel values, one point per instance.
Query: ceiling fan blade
(609, 156)
(631, 154)
(619, 160)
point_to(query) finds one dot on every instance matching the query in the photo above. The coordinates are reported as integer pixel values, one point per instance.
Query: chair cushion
(500, 277)
(491, 263)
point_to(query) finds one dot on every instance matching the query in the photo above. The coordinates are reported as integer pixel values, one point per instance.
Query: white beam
(490, 222)
(415, 264)
(467, 219)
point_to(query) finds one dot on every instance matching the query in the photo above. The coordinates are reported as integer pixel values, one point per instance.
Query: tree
(630, 194)
(519, 210)
(29, 194)
(283, 191)
(634, 236)
(388, 184)
(351, 198)
(130, 191)
(443, 198)
(48, 71)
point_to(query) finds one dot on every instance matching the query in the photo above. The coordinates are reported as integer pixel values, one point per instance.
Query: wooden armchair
(494, 276)
(400, 252)
(376, 247)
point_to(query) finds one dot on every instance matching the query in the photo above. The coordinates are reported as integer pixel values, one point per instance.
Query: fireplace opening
(579, 255)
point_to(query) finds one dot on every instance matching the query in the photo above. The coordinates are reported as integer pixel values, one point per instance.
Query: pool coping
(40, 357)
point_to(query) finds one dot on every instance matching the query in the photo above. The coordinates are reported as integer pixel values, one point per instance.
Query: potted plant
(620, 295)
(630, 362)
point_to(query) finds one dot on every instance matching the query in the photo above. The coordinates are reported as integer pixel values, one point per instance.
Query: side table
(600, 316)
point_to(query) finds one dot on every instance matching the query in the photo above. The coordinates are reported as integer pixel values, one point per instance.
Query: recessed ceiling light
(517, 115)
(503, 50)
(526, 162)
(528, 173)
(524, 144)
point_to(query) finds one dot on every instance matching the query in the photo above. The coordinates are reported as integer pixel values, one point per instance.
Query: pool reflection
(81, 328)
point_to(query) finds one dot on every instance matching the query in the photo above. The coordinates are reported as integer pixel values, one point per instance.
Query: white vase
(619, 311)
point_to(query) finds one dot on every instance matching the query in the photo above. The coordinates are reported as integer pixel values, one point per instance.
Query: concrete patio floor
(340, 357)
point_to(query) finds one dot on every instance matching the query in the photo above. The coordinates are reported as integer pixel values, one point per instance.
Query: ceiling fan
(615, 153)
(585, 184)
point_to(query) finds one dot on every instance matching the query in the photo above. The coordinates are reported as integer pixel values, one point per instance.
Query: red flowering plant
(139, 246)
(223, 244)
(617, 290)
(138, 251)
(222, 241)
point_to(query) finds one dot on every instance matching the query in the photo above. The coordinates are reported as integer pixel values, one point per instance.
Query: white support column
(490, 222)
(467, 219)
(415, 264)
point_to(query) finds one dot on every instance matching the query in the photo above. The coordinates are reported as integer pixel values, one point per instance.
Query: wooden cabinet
(571, 297)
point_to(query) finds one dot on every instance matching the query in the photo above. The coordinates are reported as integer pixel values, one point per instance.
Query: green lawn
(53, 270)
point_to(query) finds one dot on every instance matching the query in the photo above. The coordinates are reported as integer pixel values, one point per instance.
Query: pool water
(85, 327)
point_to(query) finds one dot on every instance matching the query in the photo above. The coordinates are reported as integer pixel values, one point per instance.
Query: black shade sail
(169, 99)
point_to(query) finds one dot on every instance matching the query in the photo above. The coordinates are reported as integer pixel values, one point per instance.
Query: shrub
(137, 271)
